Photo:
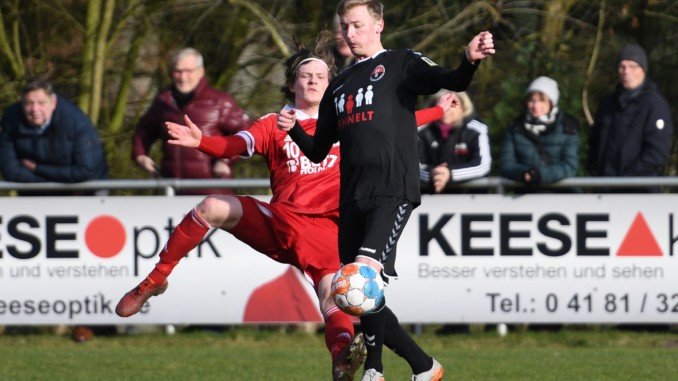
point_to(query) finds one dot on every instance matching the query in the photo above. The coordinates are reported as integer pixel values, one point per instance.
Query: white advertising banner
(466, 259)
(539, 258)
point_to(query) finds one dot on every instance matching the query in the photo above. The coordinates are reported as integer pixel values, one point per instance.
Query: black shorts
(371, 227)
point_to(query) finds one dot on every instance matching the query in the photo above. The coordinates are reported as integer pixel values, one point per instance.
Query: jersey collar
(372, 56)
(300, 114)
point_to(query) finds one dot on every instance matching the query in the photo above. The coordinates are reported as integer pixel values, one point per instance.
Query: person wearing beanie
(541, 145)
(633, 130)
(453, 149)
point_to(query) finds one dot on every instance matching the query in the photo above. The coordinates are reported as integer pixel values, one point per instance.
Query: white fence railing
(497, 184)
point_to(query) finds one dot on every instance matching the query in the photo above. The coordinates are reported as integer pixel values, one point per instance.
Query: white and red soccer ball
(357, 289)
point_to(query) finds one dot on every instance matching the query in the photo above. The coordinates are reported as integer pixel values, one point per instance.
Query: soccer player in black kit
(369, 109)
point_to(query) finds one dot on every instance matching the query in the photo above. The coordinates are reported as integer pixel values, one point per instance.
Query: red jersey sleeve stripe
(249, 142)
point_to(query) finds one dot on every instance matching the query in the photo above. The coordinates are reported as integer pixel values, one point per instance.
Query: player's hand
(448, 101)
(481, 46)
(441, 175)
(221, 169)
(286, 119)
(146, 163)
(187, 136)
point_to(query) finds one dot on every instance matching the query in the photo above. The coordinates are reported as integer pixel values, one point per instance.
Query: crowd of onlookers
(46, 138)
(631, 136)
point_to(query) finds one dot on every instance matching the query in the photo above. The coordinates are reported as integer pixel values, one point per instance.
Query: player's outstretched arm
(187, 136)
(217, 146)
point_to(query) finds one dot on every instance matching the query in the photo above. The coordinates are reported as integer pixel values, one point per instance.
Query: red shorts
(308, 242)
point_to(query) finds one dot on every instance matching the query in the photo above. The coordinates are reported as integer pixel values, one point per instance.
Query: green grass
(248, 354)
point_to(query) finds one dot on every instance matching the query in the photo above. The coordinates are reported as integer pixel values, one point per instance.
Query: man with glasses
(633, 130)
(216, 113)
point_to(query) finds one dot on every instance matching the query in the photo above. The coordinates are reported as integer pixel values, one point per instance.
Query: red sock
(338, 330)
(185, 237)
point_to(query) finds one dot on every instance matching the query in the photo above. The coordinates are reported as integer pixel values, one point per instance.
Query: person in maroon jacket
(216, 112)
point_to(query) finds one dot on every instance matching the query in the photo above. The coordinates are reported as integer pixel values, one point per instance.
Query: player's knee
(212, 209)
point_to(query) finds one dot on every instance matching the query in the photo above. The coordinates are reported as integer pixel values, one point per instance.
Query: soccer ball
(357, 289)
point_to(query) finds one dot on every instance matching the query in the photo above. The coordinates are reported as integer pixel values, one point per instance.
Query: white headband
(311, 59)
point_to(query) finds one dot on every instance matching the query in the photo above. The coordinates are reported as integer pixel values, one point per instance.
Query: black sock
(373, 331)
(400, 342)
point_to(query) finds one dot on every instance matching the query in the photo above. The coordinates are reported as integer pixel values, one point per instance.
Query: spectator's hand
(531, 176)
(286, 119)
(147, 164)
(481, 46)
(30, 164)
(448, 101)
(441, 176)
(187, 136)
(221, 169)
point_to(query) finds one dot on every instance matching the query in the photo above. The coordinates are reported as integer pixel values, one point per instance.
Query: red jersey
(304, 186)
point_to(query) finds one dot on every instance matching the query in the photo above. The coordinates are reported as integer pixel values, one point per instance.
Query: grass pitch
(251, 354)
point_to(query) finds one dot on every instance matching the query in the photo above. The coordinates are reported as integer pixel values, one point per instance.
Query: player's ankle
(156, 276)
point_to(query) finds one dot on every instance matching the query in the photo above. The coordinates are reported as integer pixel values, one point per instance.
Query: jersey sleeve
(428, 115)
(259, 136)
(222, 146)
(423, 76)
(317, 147)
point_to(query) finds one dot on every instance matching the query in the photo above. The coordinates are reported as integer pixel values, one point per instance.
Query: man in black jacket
(633, 130)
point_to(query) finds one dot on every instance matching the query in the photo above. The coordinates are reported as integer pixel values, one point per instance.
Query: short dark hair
(322, 51)
(38, 84)
(375, 7)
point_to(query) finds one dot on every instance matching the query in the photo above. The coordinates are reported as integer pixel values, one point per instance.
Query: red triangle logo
(639, 240)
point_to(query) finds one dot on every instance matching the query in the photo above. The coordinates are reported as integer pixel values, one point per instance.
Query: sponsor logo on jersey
(297, 162)
(377, 73)
(352, 108)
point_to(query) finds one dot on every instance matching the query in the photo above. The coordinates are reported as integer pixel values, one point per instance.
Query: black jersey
(369, 108)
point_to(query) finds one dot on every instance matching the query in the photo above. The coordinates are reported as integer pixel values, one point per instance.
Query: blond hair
(375, 7)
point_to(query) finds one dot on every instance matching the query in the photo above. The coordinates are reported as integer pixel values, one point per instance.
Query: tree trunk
(88, 51)
(99, 62)
(553, 22)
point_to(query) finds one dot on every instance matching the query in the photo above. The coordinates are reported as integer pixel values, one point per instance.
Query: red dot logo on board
(105, 236)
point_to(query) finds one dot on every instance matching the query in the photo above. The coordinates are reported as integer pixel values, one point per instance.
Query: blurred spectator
(342, 52)
(216, 113)
(541, 146)
(46, 138)
(632, 134)
(453, 149)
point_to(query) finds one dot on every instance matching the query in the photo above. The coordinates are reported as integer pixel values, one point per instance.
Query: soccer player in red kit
(298, 226)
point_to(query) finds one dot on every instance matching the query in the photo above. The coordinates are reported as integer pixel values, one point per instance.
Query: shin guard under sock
(338, 330)
(373, 331)
(185, 237)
